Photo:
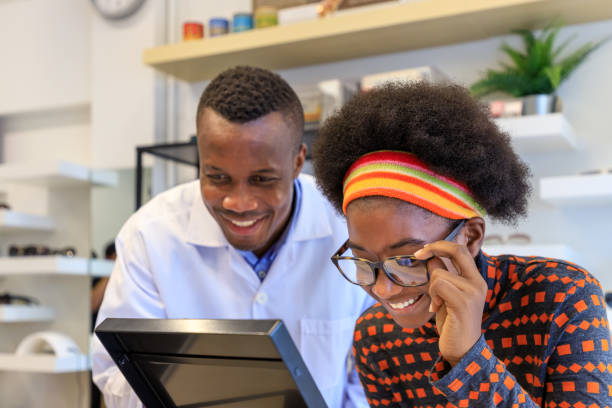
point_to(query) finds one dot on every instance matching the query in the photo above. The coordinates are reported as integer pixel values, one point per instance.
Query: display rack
(184, 152)
(25, 313)
(44, 363)
(56, 174)
(53, 264)
(575, 190)
(12, 222)
(539, 133)
(384, 30)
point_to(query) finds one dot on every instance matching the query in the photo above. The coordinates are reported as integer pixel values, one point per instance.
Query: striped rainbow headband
(401, 175)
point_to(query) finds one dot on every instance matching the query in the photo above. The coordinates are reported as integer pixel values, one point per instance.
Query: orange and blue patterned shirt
(545, 343)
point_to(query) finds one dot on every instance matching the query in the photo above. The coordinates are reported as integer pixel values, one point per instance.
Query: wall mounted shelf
(394, 28)
(44, 363)
(52, 264)
(539, 133)
(101, 268)
(577, 190)
(25, 313)
(12, 221)
(56, 174)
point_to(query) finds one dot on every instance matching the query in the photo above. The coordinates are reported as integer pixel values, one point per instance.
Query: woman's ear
(472, 234)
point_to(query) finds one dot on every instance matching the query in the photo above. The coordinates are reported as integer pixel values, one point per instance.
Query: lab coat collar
(312, 221)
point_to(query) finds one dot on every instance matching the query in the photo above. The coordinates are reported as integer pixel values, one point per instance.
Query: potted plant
(536, 73)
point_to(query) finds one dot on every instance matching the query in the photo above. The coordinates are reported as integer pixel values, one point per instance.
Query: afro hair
(443, 126)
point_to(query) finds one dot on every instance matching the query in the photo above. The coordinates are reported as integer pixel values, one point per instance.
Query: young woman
(415, 168)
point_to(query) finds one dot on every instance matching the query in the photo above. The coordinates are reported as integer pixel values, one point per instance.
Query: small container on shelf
(192, 30)
(266, 16)
(218, 26)
(242, 22)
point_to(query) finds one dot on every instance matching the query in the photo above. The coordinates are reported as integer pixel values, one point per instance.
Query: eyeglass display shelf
(35, 363)
(577, 190)
(539, 133)
(57, 174)
(13, 221)
(54, 264)
(558, 251)
(25, 313)
(370, 31)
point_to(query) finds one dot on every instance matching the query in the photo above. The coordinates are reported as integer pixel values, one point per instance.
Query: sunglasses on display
(39, 250)
(403, 270)
(10, 299)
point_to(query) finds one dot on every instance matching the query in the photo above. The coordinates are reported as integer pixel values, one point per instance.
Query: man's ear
(472, 234)
(298, 161)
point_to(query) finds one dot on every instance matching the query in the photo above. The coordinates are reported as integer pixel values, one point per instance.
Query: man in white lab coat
(249, 240)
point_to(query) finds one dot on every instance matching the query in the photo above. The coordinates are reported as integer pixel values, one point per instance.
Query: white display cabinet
(51, 206)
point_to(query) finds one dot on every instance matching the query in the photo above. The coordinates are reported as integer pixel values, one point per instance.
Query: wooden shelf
(558, 251)
(52, 264)
(577, 190)
(397, 27)
(539, 133)
(56, 174)
(44, 363)
(12, 221)
(25, 313)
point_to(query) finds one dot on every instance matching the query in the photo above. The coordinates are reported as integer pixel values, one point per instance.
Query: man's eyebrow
(264, 170)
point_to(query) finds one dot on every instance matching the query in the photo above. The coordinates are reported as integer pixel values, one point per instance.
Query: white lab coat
(174, 262)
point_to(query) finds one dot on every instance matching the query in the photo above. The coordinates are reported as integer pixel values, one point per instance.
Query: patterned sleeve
(576, 371)
(377, 392)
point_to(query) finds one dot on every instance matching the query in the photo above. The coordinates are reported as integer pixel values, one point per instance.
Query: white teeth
(243, 224)
(403, 304)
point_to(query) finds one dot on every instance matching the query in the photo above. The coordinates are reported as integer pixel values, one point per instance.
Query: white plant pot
(541, 104)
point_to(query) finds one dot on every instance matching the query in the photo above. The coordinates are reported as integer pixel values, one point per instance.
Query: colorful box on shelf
(426, 73)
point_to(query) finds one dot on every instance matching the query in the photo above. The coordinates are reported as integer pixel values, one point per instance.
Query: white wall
(586, 100)
(45, 54)
(123, 88)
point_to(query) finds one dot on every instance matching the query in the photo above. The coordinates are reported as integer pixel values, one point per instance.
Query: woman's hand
(457, 292)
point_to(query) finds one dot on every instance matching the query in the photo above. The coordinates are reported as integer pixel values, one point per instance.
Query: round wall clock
(117, 9)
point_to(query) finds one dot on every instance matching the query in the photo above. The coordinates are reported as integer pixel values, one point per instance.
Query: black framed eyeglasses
(403, 270)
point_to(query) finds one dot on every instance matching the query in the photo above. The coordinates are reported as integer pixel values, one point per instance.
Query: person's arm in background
(131, 293)
(97, 294)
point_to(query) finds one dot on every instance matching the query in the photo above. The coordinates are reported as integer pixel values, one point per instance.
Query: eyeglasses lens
(404, 271)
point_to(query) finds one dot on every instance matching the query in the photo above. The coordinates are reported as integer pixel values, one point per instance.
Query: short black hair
(110, 250)
(243, 93)
(443, 125)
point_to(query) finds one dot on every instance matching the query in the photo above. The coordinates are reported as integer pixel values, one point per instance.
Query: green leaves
(536, 70)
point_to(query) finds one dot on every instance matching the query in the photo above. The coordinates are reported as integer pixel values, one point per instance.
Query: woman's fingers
(458, 254)
(444, 290)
